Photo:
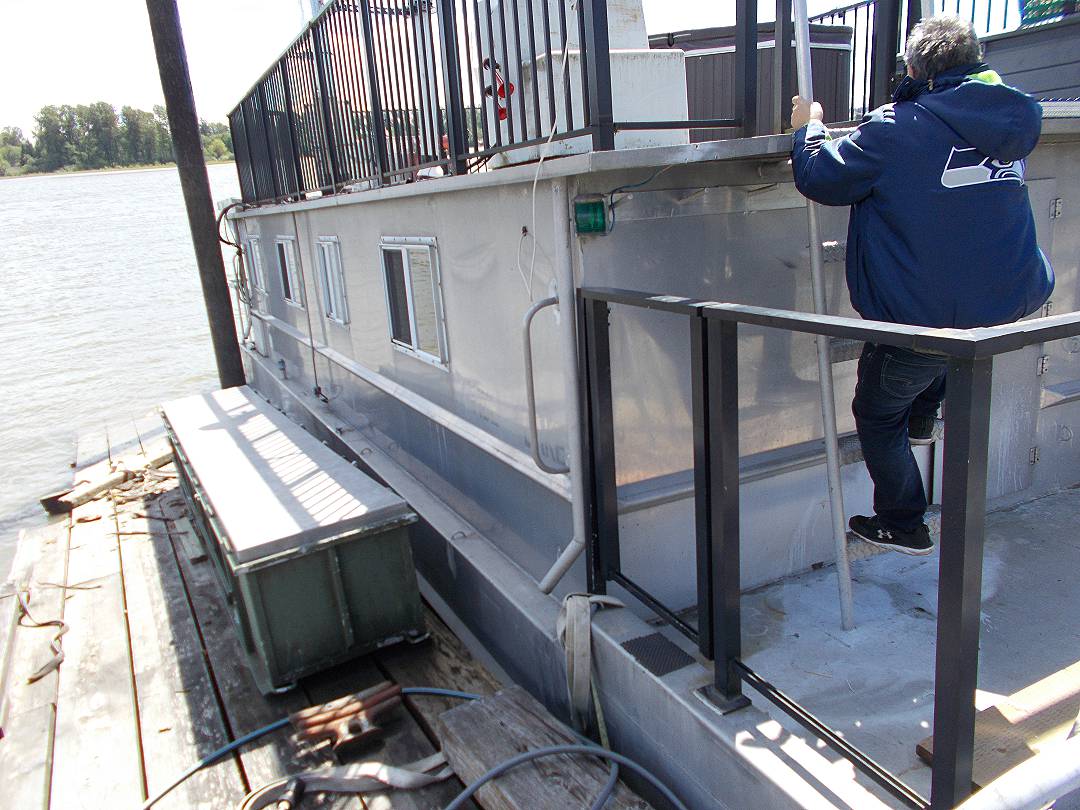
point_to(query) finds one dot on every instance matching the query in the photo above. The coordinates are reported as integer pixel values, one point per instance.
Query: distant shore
(112, 170)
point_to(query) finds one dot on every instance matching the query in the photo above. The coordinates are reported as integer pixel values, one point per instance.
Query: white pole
(825, 376)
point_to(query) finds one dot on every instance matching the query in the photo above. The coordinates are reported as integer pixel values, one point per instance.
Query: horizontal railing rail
(713, 351)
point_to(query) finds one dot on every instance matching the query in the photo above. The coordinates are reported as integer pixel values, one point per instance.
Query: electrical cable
(214, 757)
(630, 187)
(590, 750)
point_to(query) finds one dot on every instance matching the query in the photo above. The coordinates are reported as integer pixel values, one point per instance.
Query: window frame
(291, 271)
(257, 276)
(402, 245)
(323, 245)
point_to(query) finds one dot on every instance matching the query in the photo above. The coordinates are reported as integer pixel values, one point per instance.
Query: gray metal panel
(271, 486)
(1042, 60)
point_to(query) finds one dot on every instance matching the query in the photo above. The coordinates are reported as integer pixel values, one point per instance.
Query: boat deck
(152, 677)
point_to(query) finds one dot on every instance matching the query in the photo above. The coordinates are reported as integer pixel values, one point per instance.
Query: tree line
(94, 136)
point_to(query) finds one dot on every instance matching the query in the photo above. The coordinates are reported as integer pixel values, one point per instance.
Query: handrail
(713, 350)
(530, 387)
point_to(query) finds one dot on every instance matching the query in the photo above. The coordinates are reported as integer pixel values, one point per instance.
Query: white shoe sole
(912, 552)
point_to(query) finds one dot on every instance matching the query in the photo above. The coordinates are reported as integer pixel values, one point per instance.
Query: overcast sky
(81, 51)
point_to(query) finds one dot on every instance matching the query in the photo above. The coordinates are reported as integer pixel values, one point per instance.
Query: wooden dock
(152, 678)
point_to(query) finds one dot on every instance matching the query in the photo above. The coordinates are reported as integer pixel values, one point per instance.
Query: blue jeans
(893, 385)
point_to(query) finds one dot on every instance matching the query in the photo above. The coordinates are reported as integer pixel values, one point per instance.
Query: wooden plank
(179, 718)
(245, 707)
(482, 733)
(26, 751)
(1021, 725)
(404, 740)
(441, 661)
(97, 759)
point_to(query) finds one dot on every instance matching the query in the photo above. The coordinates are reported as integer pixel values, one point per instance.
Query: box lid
(272, 486)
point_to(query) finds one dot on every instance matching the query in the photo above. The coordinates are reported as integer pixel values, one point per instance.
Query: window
(292, 290)
(414, 297)
(255, 268)
(331, 279)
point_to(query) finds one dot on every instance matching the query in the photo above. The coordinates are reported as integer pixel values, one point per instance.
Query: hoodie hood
(1000, 121)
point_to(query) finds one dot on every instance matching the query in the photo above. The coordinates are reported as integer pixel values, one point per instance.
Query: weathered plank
(96, 758)
(26, 751)
(482, 733)
(246, 708)
(441, 661)
(179, 717)
(1020, 725)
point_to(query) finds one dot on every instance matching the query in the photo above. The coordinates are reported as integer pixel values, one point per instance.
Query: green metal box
(313, 554)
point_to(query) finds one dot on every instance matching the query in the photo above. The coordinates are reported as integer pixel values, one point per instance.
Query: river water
(102, 319)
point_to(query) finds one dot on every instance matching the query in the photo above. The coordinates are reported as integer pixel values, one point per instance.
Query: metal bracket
(1055, 208)
(1043, 365)
(1033, 455)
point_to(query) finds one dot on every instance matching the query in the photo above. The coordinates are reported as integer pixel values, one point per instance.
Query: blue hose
(214, 757)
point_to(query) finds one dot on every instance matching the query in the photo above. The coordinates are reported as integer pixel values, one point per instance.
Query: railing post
(715, 371)
(783, 65)
(378, 125)
(320, 50)
(598, 64)
(271, 152)
(290, 115)
(746, 61)
(960, 561)
(455, 100)
(886, 43)
(598, 438)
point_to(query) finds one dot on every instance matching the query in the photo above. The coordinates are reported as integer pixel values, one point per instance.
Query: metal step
(859, 549)
(851, 450)
(834, 251)
(843, 349)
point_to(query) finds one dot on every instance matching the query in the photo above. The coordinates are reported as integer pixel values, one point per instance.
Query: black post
(598, 65)
(190, 165)
(963, 514)
(602, 505)
(716, 497)
(784, 85)
(886, 44)
(914, 14)
(321, 51)
(455, 100)
(294, 142)
(378, 125)
(746, 73)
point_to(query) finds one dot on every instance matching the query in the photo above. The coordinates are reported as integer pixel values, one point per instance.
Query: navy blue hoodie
(941, 231)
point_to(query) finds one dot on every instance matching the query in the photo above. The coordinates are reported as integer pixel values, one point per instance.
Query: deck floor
(153, 679)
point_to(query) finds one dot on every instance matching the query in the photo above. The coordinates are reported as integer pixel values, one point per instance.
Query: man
(941, 234)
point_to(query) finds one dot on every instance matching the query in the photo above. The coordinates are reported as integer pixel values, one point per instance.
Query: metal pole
(598, 64)
(783, 60)
(187, 148)
(746, 54)
(886, 42)
(960, 561)
(825, 375)
(455, 100)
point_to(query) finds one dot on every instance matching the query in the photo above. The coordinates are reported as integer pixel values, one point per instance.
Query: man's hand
(803, 110)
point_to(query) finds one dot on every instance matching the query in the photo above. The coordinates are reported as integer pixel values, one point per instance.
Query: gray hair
(941, 43)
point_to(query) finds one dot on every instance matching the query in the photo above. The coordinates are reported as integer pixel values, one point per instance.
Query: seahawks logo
(970, 167)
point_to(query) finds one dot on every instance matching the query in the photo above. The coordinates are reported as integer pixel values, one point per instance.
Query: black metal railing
(988, 16)
(714, 358)
(383, 91)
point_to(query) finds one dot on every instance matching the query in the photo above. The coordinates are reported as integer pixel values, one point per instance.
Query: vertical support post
(455, 100)
(378, 125)
(271, 152)
(963, 515)
(290, 114)
(598, 63)
(190, 165)
(700, 402)
(716, 479)
(783, 65)
(746, 61)
(886, 43)
(321, 51)
(598, 435)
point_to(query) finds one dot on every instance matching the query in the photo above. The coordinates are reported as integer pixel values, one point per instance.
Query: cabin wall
(1043, 60)
(733, 231)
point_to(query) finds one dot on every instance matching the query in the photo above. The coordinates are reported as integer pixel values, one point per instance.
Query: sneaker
(873, 531)
(920, 430)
